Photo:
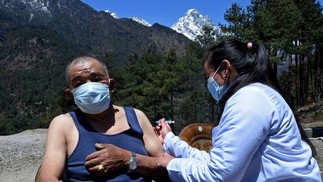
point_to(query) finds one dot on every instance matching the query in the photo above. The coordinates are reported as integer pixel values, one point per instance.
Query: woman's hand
(162, 129)
(164, 160)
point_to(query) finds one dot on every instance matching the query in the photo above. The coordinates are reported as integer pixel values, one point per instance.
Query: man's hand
(112, 158)
(116, 160)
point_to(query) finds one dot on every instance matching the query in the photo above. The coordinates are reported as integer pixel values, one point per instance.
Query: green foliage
(207, 37)
(292, 32)
(238, 21)
(164, 86)
(33, 76)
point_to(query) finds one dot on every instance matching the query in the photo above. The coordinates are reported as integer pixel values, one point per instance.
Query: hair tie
(249, 45)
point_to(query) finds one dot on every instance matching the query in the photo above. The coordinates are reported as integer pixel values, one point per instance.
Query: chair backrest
(198, 135)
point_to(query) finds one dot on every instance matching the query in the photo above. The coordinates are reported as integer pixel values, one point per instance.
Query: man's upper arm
(56, 150)
(152, 144)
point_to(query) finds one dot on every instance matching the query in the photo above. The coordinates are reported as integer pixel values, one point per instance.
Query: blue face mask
(92, 97)
(215, 90)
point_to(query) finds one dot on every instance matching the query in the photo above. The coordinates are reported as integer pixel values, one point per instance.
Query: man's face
(86, 71)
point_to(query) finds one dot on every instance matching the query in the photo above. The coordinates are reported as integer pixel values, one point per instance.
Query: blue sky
(166, 12)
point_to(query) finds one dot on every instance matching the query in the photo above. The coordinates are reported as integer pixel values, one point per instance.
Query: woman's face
(209, 71)
(207, 68)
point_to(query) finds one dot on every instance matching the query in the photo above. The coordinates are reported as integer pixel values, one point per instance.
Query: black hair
(252, 65)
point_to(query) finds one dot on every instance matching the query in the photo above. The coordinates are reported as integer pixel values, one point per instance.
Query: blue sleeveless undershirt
(131, 139)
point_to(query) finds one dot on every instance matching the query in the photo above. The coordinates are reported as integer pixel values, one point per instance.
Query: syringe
(167, 121)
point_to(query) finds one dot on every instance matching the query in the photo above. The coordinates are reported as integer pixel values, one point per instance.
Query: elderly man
(97, 122)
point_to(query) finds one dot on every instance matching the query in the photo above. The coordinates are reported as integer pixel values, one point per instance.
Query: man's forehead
(90, 64)
(85, 66)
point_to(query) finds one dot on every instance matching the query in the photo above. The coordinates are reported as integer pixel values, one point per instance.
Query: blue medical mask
(215, 90)
(92, 97)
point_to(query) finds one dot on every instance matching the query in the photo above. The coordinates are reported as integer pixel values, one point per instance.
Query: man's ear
(69, 94)
(111, 84)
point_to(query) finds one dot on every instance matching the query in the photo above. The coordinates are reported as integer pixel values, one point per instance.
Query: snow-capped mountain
(133, 18)
(141, 21)
(114, 15)
(192, 23)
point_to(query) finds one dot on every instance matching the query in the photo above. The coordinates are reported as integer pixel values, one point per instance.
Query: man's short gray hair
(84, 59)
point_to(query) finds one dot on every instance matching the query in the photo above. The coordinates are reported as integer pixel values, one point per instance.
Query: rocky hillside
(37, 40)
(92, 31)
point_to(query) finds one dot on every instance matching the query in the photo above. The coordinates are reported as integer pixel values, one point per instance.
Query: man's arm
(114, 158)
(55, 153)
(152, 143)
(150, 166)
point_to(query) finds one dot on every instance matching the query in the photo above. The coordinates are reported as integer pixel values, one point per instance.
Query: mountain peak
(141, 21)
(192, 23)
(191, 11)
(114, 15)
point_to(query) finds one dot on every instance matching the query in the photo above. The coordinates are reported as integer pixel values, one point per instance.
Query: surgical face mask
(215, 90)
(92, 97)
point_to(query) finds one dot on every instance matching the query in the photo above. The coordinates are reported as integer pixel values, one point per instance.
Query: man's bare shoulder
(139, 113)
(143, 119)
(61, 122)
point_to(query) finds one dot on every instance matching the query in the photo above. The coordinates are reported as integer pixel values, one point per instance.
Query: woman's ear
(111, 84)
(226, 64)
(227, 69)
(229, 72)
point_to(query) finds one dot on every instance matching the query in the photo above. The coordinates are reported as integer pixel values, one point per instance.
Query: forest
(172, 86)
